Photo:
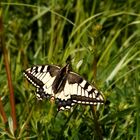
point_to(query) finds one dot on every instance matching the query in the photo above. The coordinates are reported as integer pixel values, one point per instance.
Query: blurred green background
(102, 38)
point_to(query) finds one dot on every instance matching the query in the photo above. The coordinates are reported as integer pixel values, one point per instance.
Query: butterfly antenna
(69, 60)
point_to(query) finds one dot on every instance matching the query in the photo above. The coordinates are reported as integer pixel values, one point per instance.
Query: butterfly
(63, 85)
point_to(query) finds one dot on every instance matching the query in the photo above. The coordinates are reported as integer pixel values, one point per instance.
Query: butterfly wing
(63, 98)
(78, 90)
(83, 92)
(42, 78)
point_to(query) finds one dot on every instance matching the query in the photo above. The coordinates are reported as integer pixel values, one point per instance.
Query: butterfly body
(60, 80)
(65, 86)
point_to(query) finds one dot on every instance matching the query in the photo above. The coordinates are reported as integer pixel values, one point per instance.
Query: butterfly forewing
(42, 77)
(83, 92)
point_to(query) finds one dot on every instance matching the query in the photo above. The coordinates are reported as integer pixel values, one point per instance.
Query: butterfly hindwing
(63, 98)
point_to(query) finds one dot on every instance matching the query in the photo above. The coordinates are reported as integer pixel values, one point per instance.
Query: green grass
(102, 40)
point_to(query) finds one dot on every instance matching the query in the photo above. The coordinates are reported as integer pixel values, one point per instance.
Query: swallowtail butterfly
(63, 85)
